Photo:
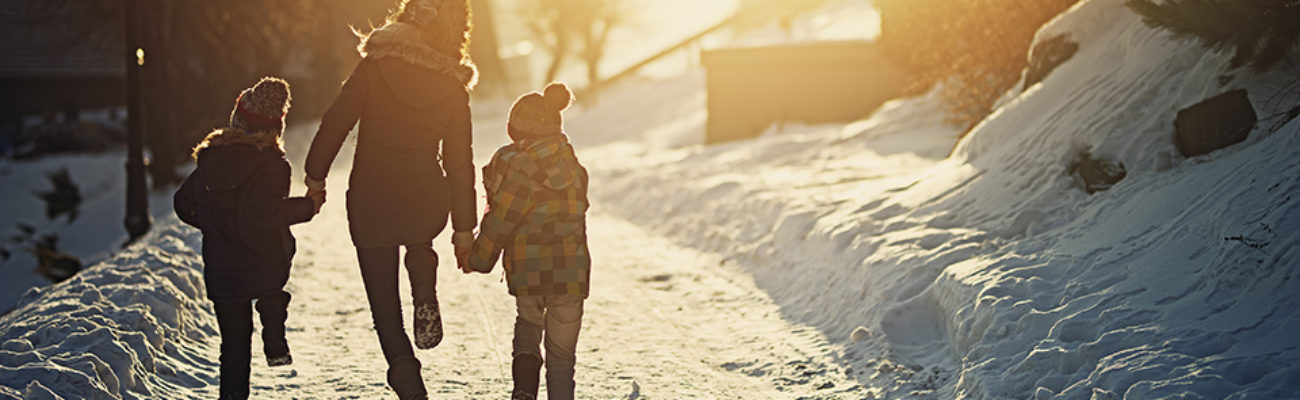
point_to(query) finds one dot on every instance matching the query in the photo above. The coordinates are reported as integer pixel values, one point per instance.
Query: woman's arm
(337, 123)
(458, 161)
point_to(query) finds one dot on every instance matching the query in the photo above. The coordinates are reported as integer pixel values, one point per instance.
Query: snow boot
(428, 324)
(527, 369)
(404, 377)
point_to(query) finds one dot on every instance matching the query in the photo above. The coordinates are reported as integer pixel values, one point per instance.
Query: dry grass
(977, 48)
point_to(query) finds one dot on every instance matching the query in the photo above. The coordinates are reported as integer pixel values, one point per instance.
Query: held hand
(317, 198)
(464, 242)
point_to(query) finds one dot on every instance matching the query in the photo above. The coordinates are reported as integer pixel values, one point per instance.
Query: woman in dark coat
(413, 166)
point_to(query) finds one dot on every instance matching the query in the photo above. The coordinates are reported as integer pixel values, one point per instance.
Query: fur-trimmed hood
(223, 165)
(407, 42)
(227, 137)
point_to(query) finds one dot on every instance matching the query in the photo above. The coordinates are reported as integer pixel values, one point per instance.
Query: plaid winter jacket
(537, 204)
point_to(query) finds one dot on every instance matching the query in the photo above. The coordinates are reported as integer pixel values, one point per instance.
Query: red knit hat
(261, 108)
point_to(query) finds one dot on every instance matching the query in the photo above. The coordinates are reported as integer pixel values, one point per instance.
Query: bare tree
(191, 75)
(562, 25)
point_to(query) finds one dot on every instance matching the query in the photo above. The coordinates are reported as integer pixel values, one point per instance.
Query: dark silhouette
(239, 197)
(410, 93)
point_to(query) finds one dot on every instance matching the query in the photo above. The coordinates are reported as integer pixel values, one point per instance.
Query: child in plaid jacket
(537, 199)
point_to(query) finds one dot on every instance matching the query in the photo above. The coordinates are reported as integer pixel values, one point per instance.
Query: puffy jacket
(413, 163)
(239, 198)
(537, 204)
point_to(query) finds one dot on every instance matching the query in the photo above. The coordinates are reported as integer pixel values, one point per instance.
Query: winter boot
(526, 370)
(404, 377)
(428, 324)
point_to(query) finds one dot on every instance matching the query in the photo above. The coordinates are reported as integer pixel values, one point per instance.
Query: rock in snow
(1215, 123)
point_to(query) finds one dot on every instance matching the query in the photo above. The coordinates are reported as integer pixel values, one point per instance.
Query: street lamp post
(137, 219)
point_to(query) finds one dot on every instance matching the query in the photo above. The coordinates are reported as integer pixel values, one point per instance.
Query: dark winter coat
(415, 120)
(239, 198)
(537, 205)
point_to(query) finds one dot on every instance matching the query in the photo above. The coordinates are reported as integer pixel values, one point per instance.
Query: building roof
(62, 39)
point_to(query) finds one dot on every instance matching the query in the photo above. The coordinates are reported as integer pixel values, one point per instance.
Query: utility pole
(137, 220)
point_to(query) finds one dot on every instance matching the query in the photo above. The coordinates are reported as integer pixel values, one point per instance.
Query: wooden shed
(60, 55)
(750, 89)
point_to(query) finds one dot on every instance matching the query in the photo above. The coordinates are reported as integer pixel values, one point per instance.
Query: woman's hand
(463, 241)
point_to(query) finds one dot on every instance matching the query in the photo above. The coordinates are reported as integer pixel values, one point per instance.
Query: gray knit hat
(538, 114)
(261, 108)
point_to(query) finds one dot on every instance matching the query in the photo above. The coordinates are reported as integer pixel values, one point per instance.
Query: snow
(989, 274)
(94, 234)
(131, 326)
(665, 322)
(856, 260)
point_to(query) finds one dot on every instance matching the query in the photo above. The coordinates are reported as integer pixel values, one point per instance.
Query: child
(238, 198)
(537, 199)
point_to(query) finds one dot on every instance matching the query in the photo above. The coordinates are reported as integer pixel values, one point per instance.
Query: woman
(411, 94)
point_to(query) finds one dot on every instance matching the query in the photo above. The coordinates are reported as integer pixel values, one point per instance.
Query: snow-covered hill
(991, 273)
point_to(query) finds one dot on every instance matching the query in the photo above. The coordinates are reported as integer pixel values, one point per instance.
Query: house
(750, 89)
(60, 55)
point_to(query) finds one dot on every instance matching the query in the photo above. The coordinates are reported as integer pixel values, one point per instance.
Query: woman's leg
(379, 273)
(422, 267)
(235, 321)
(563, 321)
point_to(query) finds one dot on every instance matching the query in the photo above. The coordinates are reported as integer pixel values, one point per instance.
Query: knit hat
(262, 107)
(420, 12)
(536, 114)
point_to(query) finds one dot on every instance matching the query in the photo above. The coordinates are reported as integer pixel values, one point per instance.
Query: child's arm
(267, 202)
(508, 207)
(458, 160)
(336, 124)
(187, 209)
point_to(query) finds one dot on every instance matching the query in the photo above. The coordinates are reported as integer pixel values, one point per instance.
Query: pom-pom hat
(261, 108)
(538, 114)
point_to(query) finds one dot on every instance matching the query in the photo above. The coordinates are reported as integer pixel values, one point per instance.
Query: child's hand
(318, 198)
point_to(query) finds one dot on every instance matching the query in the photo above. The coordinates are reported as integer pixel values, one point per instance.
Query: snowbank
(991, 273)
(136, 325)
(94, 234)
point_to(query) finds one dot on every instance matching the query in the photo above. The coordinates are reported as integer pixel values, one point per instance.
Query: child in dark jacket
(239, 198)
(537, 199)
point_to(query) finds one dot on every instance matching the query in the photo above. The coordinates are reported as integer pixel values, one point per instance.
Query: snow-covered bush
(1261, 32)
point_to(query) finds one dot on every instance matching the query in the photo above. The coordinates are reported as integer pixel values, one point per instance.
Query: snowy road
(662, 323)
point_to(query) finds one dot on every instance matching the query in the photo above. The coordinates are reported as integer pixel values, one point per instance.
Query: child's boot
(527, 370)
(274, 310)
(404, 378)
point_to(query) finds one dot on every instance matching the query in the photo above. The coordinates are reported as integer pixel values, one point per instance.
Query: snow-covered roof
(61, 39)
